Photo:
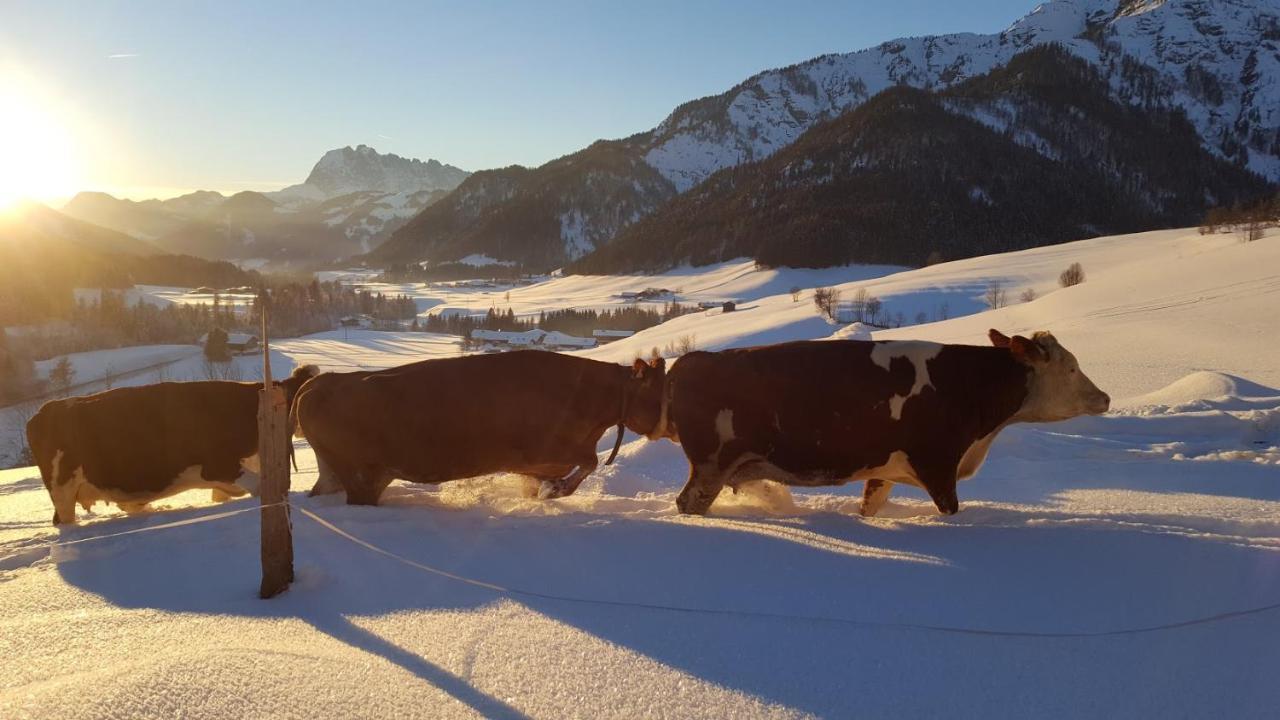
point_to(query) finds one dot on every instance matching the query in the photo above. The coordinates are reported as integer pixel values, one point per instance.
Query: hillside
(537, 217)
(46, 254)
(1032, 153)
(1218, 62)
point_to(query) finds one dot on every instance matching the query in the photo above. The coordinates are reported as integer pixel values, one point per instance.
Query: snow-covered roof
(233, 338)
(613, 333)
(533, 337)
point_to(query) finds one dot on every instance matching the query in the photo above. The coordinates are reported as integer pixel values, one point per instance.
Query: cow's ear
(638, 367)
(1026, 351)
(998, 338)
(1045, 339)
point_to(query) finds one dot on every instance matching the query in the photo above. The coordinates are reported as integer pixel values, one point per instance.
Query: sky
(158, 98)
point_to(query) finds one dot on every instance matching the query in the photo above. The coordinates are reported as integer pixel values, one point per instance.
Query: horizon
(143, 100)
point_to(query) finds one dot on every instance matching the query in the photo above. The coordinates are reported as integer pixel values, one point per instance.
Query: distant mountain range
(351, 201)
(1212, 68)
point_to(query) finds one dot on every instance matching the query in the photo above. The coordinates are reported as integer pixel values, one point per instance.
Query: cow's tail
(622, 425)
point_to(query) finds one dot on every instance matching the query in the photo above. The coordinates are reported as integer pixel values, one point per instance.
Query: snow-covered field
(1120, 566)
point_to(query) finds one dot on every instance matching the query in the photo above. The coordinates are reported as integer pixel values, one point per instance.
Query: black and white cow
(832, 412)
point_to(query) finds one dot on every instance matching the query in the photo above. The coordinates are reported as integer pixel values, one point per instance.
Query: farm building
(532, 339)
(607, 336)
(237, 343)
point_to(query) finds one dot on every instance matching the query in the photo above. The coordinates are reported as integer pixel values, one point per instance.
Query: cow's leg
(875, 493)
(939, 479)
(704, 485)
(328, 480)
(63, 490)
(132, 508)
(368, 486)
(219, 495)
(565, 486)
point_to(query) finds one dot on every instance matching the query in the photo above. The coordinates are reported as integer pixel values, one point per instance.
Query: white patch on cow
(57, 464)
(918, 354)
(81, 490)
(897, 469)
(976, 455)
(724, 426)
(63, 491)
(252, 464)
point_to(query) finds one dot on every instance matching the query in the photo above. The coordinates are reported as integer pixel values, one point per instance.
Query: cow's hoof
(692, 506)
(550, 490)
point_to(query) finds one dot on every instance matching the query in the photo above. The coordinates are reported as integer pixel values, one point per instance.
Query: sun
(38, 155)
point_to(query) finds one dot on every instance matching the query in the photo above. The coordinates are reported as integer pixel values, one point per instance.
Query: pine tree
(62, 376)
(215, 346)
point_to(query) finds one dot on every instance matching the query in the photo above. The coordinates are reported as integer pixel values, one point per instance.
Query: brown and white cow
(135, 445)
(530, 412)
(832, 412)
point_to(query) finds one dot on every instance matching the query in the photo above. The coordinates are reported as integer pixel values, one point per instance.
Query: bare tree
(826, 300)
(222, 371)
(1028, 295)
(1253, 228)
(922, 317)
(795, 294)
(108, 378)
(873, 306)
(996, 297)
(1073, 275)
(682, 345)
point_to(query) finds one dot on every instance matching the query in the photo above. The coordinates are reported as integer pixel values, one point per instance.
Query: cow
(830, 412)
(530, 412)
(134, 445)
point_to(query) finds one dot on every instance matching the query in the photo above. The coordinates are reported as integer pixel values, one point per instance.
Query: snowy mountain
(345, 170)
(352, 201)
(1032, 153)
(1219, 62)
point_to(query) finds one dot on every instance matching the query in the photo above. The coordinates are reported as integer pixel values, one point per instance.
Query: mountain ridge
(315, 222)
(1195, 49)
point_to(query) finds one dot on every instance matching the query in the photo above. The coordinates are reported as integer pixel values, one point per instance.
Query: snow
(478, 260)
(1178, 39)
(1159, 521)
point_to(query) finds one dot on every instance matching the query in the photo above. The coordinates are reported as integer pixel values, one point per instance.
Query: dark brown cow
(832, 412)
(134, 445)
(530, 412)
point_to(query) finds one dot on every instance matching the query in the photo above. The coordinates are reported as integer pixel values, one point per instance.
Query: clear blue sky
(238, 95)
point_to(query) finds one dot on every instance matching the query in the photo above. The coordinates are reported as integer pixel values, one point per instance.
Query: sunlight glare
(40, 158)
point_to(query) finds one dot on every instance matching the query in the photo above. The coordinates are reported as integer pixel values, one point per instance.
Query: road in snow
(1163, 512)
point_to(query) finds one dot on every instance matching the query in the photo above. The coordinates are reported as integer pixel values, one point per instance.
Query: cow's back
(457, 417)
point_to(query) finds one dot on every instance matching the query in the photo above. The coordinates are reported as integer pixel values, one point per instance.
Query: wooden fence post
(273, 458)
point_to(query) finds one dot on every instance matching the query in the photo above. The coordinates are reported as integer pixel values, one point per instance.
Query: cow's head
(646, 386)
(1058, 389)
(292, 385)
(295, 381)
